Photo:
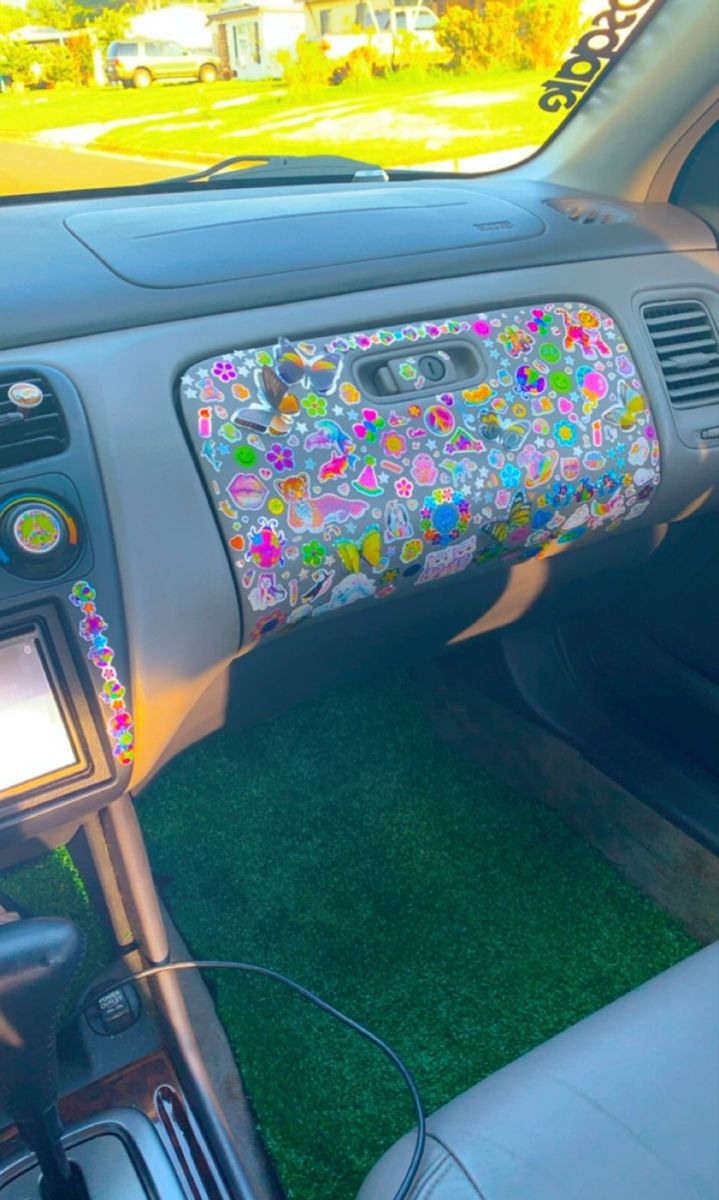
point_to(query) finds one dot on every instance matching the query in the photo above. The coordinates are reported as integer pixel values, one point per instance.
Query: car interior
(359, 676)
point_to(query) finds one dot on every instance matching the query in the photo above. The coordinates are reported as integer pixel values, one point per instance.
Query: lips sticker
(247, 491)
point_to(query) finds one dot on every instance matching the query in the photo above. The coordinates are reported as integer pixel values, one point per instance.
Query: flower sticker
(314, 406)
(510, 475)
(404, 487)
(565, 433)
(366, 429)
(444, 516)
(313, 553)
(393, 443)
(280, 457)
(224, 370)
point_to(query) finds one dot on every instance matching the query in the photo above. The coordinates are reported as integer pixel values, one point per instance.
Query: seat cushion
(622, 1106)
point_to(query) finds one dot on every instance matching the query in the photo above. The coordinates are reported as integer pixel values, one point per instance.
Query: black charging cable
(218, 964)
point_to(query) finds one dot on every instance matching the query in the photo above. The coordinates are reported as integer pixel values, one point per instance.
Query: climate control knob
(39, 537)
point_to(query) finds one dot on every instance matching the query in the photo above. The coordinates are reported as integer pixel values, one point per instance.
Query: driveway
(32, 168)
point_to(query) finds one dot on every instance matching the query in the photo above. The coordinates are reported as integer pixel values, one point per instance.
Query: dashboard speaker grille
(32, 425)
(687, 347)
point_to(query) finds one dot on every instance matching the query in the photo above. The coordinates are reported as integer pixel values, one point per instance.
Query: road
(25, 167)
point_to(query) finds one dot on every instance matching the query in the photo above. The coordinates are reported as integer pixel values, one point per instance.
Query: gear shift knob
(38, 960)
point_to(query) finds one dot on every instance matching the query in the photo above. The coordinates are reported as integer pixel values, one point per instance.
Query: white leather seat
(622, 1106)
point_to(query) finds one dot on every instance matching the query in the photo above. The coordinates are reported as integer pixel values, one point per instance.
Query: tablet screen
(34, 740)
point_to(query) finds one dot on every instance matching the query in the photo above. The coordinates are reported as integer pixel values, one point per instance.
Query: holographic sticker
(37, 530)
(92, 628)
(329, 495)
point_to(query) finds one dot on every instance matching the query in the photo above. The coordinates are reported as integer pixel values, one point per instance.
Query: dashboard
(267, 433)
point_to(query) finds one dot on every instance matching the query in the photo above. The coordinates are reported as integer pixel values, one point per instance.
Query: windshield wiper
(282, 168)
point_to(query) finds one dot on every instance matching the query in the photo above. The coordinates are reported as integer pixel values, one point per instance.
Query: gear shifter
(38, 959)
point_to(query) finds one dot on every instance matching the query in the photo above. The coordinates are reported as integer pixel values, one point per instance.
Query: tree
(60, 14)
(111, 25)
(11, 17)
(546, 29)
(476, 40)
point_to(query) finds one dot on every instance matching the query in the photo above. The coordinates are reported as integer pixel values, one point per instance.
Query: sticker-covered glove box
(329, 493)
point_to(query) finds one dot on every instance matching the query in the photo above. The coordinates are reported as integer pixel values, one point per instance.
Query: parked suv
(140, 62)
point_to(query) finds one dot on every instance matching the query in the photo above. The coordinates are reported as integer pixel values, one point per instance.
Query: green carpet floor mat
(51, 886)
(346, 845)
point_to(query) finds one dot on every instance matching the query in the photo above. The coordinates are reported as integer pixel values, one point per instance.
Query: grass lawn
(404, 120)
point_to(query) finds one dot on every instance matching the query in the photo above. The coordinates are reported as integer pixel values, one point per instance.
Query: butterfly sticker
(272, 409)
(627, 410)
(511, 434)
(367, 547)
(515, 526)
(292, 367)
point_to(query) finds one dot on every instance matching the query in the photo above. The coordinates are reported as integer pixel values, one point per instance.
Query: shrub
(18, 60)
(479, 40)
(411, 54)
(307, 68)
(364, 62)
(56, 63)
(546, 29)
(81, 61)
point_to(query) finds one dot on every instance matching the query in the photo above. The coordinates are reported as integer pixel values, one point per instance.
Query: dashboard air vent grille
(589, 212)
(687, 348)
(32, 425)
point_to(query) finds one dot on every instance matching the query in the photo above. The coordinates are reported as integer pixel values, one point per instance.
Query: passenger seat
(622, 1106)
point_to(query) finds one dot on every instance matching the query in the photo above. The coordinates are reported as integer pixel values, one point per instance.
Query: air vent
(589, 212)
(686, 345)
(31, 422)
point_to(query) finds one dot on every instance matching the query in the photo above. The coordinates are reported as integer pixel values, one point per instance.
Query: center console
(66, 730)
(118, 1155)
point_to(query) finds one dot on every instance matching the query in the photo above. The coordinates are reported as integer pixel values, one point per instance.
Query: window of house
(255, 45)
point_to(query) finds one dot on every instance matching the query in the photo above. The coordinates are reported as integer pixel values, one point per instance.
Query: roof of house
(232, 9)
(40, 33)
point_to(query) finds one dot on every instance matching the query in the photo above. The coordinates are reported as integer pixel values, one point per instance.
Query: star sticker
(310, 464)
(383, 477)
(301, 427)
(338, 410)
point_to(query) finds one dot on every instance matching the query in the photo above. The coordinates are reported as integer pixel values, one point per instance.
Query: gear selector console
(116, 1155)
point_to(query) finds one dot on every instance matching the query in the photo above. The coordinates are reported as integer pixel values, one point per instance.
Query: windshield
(102, 95)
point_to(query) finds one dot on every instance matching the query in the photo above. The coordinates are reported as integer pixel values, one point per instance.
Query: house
(325, 18)
(246, 37)
(41, 35)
